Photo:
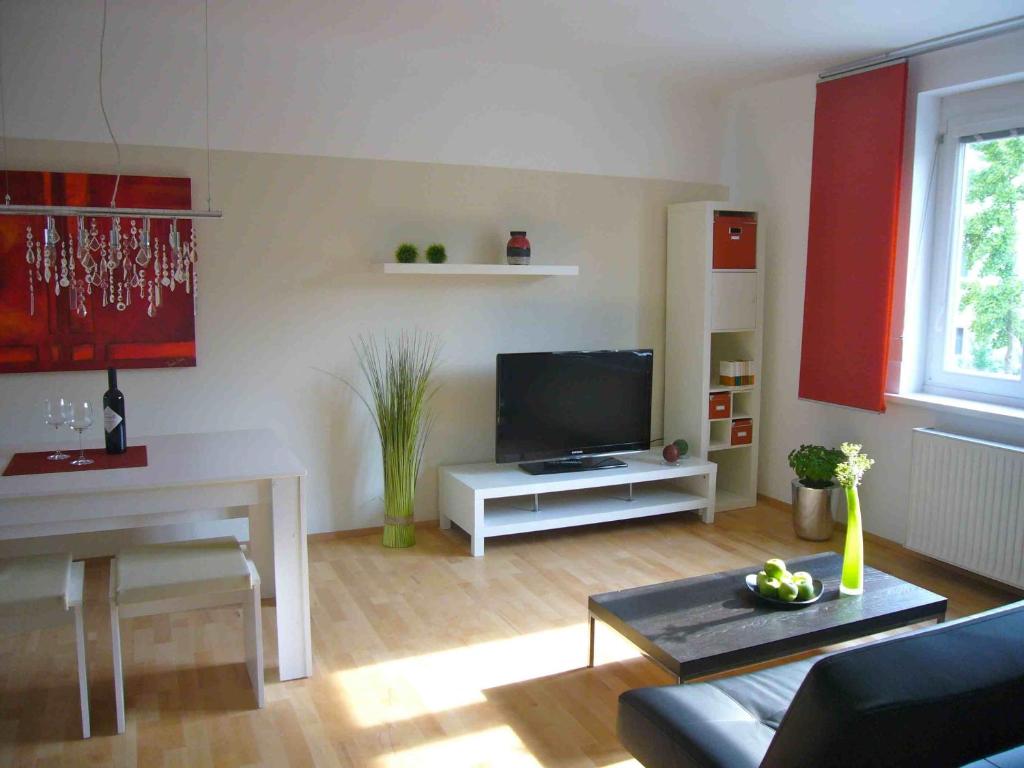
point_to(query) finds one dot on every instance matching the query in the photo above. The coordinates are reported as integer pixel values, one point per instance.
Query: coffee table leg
(590, 662)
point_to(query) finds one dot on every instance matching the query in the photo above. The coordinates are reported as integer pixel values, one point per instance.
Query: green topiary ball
(406, 253)
(436, 254)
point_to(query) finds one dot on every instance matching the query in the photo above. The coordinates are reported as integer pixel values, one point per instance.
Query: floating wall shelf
(492, 270)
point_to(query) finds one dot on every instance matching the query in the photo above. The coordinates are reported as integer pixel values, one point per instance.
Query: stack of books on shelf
(736, 373)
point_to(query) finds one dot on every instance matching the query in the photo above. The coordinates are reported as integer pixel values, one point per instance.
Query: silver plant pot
(812, 511)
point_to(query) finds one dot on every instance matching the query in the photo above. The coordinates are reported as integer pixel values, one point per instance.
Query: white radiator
(967, 504)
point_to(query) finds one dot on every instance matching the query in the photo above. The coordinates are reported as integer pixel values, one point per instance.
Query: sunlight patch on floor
(497, 747)
(436, 682)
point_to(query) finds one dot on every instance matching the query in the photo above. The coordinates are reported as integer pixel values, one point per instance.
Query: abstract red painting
(56, 315)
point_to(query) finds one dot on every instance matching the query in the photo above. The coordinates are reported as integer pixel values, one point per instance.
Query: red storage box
(719, 406)
(742, 431)
(734, 241)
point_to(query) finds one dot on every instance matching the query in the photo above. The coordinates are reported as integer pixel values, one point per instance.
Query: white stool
(45, 591)
(166, 578)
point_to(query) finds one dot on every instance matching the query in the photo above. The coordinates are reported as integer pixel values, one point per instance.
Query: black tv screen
(555, 405)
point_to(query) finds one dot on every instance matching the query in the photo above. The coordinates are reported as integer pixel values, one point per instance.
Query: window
(976, 314)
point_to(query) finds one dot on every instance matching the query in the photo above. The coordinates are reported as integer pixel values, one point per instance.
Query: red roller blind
(851, 240)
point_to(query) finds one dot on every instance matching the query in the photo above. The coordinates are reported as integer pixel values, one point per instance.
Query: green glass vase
(852, 582)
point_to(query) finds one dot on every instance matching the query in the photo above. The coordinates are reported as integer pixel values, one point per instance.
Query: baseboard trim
(903, 551)
(354, 533)
(770, 501)
(785, 506)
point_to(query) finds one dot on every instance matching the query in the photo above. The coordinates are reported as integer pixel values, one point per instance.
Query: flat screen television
(569, 411)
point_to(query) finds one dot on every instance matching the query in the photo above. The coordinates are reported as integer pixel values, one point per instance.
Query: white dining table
(189, 478)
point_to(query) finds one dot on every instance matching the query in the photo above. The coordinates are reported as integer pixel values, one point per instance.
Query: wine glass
(80, 421)
(55, 414)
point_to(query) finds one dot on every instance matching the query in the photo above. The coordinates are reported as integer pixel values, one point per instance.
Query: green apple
(802, 576)
(775, 567)
(805, 590)
(766, 585)
(788, 591)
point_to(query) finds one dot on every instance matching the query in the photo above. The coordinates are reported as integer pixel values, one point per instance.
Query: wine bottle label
(111, 419)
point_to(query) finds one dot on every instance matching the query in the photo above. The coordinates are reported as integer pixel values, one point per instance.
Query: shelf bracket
(536, 503)
(630, 497)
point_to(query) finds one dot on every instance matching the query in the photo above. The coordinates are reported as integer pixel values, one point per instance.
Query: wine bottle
(113, 415)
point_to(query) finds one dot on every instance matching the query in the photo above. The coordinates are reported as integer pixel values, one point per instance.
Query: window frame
(946, 253)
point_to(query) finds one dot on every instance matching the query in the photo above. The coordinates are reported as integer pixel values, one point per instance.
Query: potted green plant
(406, 253)
(813, 490)
(436, 254)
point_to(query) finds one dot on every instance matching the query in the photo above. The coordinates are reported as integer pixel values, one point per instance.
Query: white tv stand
(488, 499)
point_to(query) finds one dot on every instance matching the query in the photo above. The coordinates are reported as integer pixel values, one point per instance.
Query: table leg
(590, 662)
(710, 488)
(291, 571)
(83, 677)
(261, 547)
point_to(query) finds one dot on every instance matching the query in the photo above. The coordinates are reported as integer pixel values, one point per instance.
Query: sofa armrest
(724, 723)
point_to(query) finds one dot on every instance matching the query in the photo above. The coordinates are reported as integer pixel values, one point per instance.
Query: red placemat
(38, 464)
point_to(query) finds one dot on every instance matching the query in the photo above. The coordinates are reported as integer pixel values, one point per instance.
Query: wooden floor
(424, 657)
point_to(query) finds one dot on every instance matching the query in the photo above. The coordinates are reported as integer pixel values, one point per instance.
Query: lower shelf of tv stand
(601, 505)
(487, 500)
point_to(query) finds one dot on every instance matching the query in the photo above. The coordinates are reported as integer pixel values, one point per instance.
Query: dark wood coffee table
(710, 624)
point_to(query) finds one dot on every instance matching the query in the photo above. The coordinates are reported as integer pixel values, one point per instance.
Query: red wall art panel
(81, 298)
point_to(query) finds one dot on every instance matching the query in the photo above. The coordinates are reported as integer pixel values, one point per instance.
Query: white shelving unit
(711, 315)
(490, 270)
(488, 499)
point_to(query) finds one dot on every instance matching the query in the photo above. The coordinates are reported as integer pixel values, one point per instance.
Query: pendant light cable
(206, 49)
(112, 211)
(3, 123)
(103, 108)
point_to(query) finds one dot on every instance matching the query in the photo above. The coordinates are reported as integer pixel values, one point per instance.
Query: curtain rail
(925, 46)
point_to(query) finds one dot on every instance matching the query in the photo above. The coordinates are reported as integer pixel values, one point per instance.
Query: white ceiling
(627, 87)
(706, 44)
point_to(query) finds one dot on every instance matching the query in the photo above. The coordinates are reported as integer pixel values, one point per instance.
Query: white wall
(287, 281)
(300, 89)
(767, 160)
(312, 225)
(285, 278)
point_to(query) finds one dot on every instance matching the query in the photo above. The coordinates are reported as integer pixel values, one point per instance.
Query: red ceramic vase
(518, 249)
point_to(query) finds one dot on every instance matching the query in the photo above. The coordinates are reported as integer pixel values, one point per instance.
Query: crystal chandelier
(117, 263)
(113, 252)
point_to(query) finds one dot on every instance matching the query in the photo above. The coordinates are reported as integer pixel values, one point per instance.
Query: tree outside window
(990, 290)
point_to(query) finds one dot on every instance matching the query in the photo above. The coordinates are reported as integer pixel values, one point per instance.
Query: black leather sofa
(946, 695)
